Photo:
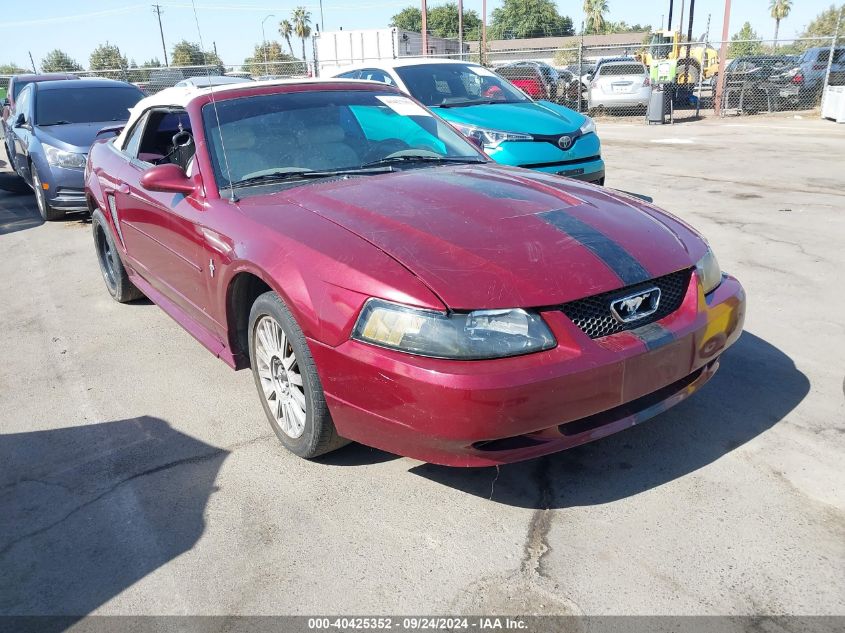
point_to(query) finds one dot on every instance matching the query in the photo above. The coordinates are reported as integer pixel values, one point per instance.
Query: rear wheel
(47, 212)
(287, 380)
(114, 273)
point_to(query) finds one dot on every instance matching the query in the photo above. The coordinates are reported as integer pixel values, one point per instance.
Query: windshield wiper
(305, 174)
(54, 123)
(422, 158)
(461, 104)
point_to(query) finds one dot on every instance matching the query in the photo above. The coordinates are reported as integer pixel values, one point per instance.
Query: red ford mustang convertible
(388, 284)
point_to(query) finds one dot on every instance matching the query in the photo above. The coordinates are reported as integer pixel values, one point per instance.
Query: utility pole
(322, 23)
(723, 51)
(681, 21)
(669, 22)
(157, 11)
(461, 28)
(483, 52)
(424, 12)
(264, 42)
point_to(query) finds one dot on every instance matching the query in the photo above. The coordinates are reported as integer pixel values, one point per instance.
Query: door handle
(123, 188)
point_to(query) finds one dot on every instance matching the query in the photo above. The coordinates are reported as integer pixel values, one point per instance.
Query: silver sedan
(620, 85)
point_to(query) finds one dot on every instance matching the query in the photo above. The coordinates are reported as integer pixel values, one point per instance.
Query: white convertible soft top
(180, 96)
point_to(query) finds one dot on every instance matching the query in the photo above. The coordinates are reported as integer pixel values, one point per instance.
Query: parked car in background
(568, 87)
(512, 128)
(17, 83)
(389, 284)
(802, 85)
(620, 85)
(752, 82)
(54, 124)
(203, 81)
(536, 79)
(584, 72)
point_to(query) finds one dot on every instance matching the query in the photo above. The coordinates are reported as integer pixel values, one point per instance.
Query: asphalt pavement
(139, 475)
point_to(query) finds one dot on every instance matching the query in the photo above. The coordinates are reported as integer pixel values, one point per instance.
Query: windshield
(660, 46)
(85, 105)
(454, 85)
(287, 134)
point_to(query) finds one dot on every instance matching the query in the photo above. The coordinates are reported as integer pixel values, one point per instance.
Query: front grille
(593, 315)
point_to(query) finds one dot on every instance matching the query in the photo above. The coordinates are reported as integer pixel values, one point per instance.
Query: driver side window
(130, 147)
(22, 104)
(162, 137)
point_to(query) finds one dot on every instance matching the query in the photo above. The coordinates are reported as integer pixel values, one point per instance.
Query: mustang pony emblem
(636, 306)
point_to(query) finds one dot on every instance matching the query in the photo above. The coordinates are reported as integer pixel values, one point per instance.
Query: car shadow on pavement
(756, 386)
(90, 510)
(17, 205)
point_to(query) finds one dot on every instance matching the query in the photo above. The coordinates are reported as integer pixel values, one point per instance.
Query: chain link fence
(699, 78)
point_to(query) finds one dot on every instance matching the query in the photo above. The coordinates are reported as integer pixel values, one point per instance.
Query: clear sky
(77, 26)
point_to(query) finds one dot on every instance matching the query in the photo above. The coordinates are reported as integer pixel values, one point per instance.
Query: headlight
(490, 138)
(60, 158)
(469, 335)
(709, 272)
(588, 126)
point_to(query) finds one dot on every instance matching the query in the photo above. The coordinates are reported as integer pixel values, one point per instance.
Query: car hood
(489, 236)
(530, 117)
(73, 137)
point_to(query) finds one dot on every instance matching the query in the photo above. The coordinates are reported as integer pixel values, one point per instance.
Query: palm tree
(779, 10)
(286, 30)
(302, 25)
(594, 11)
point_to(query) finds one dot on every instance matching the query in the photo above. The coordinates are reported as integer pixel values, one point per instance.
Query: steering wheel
(385, 147)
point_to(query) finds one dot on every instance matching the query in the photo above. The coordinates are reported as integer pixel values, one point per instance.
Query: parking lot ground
(138, 474)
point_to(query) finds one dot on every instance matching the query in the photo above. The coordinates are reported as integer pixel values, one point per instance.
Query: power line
(157, 11)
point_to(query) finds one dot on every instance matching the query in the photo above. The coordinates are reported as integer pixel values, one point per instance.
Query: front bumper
(66, 186)
(582, 161)
(480, 413)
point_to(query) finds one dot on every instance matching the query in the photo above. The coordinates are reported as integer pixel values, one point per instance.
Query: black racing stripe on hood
(654, 335)
(620, 261)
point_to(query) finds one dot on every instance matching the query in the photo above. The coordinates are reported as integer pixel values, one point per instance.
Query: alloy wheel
(279, 373)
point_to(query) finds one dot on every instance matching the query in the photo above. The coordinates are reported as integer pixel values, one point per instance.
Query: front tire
(47, 212)
(287, 381)
(111, 266)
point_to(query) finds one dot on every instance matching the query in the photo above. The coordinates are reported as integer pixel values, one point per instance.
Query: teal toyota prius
(511, 127)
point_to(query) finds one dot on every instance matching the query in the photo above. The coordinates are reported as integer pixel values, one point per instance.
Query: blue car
(512, 128)
(53, 125)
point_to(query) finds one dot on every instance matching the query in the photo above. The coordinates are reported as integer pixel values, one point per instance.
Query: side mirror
(168, 178)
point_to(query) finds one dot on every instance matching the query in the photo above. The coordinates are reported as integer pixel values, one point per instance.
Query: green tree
(624, 27)
(594, 11)
(11, 69)
(107, 57)
(57, 61)
(779, 9)
(442, 21)
(278, 62)
(302, 25)
(286, 31)
(824, 24)
(187, 53)
(744, 42)
(529, 18)
(408, 19)
(155, 62)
